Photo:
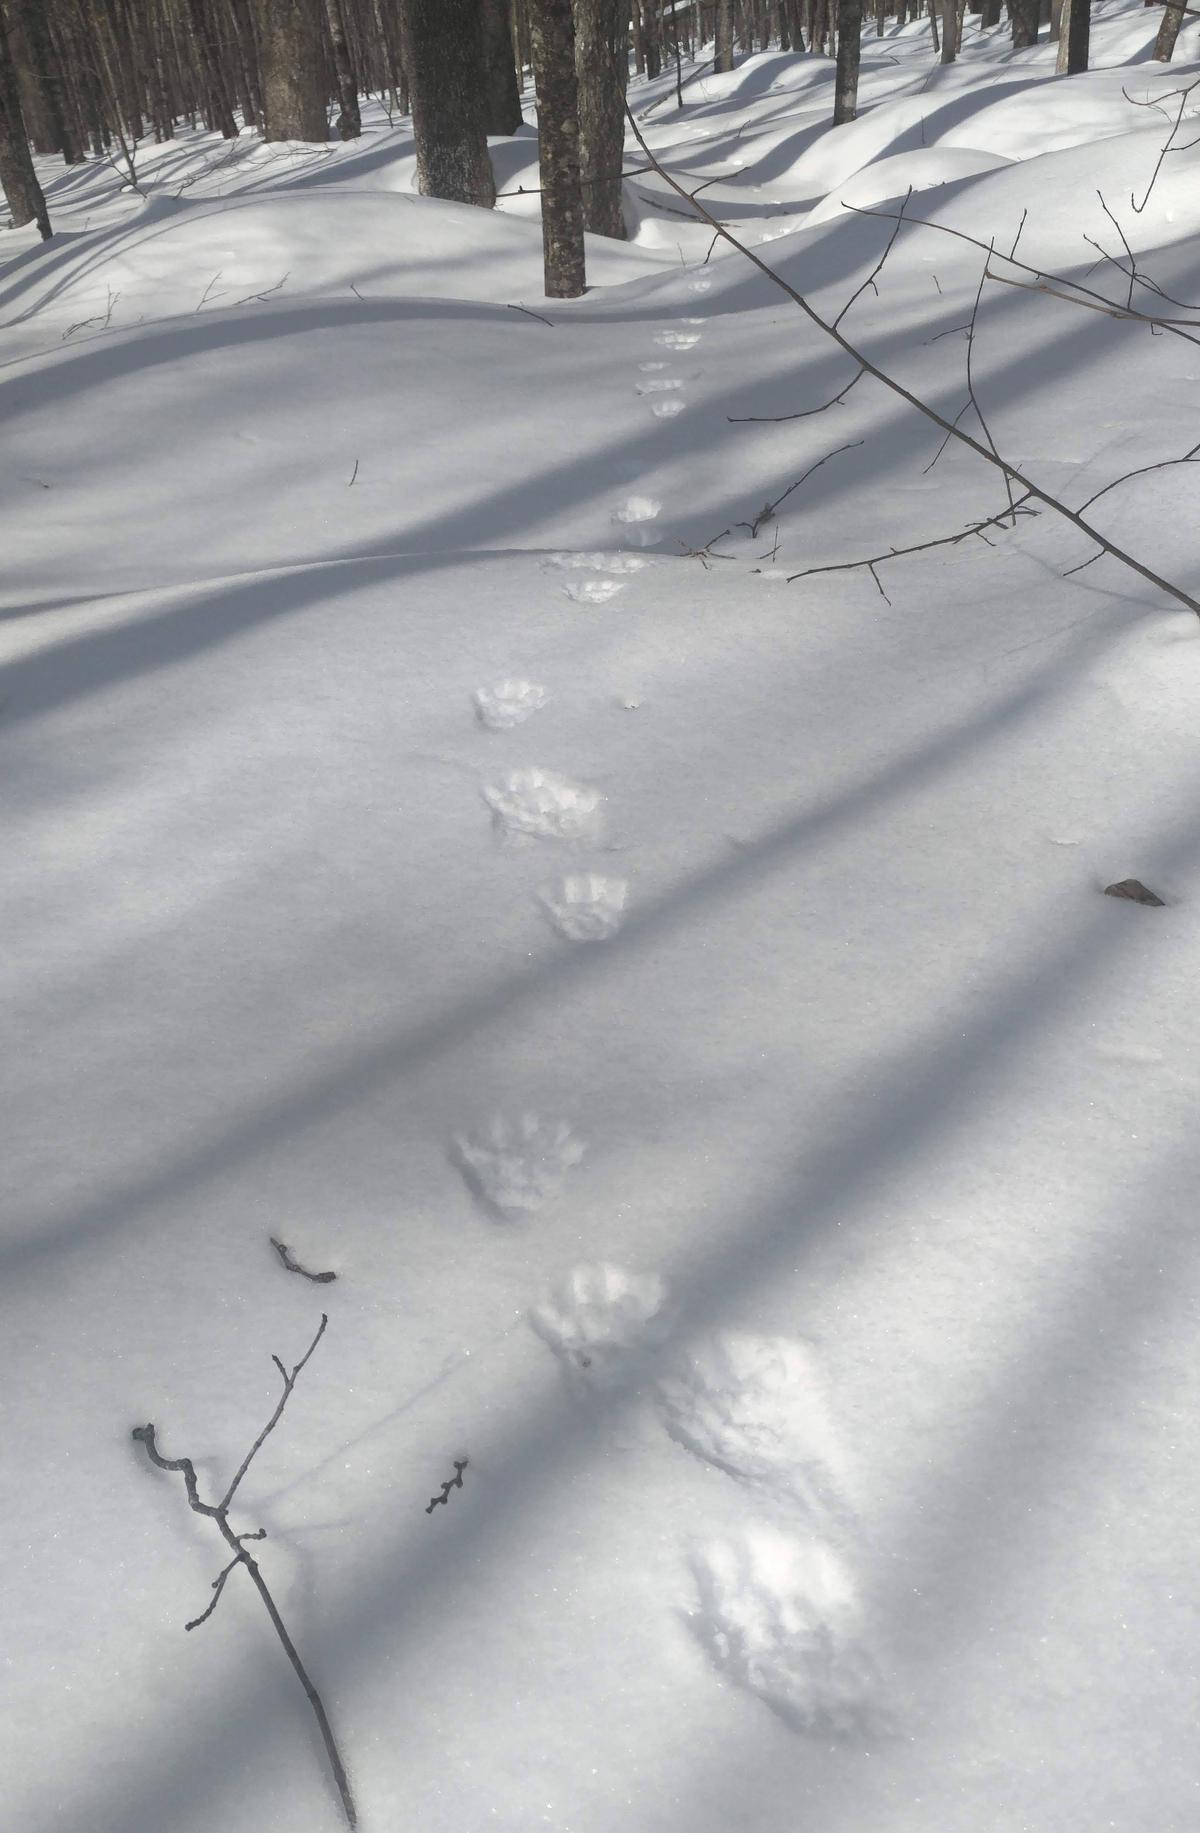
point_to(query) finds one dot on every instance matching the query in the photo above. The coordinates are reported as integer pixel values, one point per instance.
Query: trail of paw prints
(778, 1609)
(601, 1322)
(779, 1615)
(515, 1167)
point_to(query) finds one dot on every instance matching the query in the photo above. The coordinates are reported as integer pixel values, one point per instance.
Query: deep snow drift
(678, 1004)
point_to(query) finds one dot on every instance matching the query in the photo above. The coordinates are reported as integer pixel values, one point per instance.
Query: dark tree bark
(17, 176)
(1075, 35)
(503, 97)
(443, 58)
(724, 36)
(1026, 17)
(219, 96)
(601, 74)
(552, 35)
(39, 80)
(651, 37)
(849, 52)
(949, 31)
(349, 121)
(291, 59)
(1168, 32)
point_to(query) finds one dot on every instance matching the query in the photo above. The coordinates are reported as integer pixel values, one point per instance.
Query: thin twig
(281, 1248)
(768, 509)
(778, 419)
(219, 1512)
(529, 314)
(919, 547)
(454, 1482)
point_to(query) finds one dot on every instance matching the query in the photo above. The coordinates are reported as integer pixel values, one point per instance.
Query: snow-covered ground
(676, 1000)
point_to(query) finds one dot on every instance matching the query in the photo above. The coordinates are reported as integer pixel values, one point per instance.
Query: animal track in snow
(754, 1407)
(586, 907)
(600, 1320)
(593, 591)
(648, 369)
(598, 563)
(659, 385)
(539, 805)
(700, 286)
(667, 410)
(509, 703)
(779, 1615)
(677, 340)
(637, 509)
(516, 1166)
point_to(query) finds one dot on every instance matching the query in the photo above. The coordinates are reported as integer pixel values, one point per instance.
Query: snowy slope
(679, 1004)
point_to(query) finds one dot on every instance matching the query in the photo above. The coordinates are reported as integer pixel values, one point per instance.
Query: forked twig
(219, 1512)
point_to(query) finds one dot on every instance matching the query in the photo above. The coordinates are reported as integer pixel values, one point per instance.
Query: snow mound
(922, 169)
(780, 1617)
(600, 1320)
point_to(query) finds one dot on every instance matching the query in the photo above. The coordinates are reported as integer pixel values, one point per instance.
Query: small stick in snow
(454, 1482)
(353, 475)
(219, 1512)
(537, 315)
(293, 1265)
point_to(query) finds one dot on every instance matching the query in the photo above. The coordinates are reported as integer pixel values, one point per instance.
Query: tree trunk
(500, 69)
(601, 73)
(1168, 32)
(949, 31)
(552, 31)
(849, 51)
(1025, 16)
(724, 36)
(17, 176)
(39, 80)
(349, 121)
(291, 59)
(1074, 44)
(443, 56)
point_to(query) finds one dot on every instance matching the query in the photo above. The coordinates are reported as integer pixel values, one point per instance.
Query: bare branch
(930, 413)
(454, 1482)
(281, 1247)
(778, 419)
(1007, 514)
(768, 509)
(289, 1382)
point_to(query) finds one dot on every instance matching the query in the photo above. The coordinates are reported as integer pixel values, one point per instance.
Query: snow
(771, 1168)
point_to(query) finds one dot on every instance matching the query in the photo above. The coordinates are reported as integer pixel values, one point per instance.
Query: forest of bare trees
(100, 78)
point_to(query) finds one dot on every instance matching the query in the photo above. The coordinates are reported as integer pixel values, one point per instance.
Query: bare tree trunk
(849, 52)
(949, 31)
(39, 80)
(1075, 43)
(293, 70)
(443, 57)
(601, 74)
(1168, 32)
(500, 69)
(17, 176)
(1025, 16)
(552, 32)
(349, 121)
(724, 36)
